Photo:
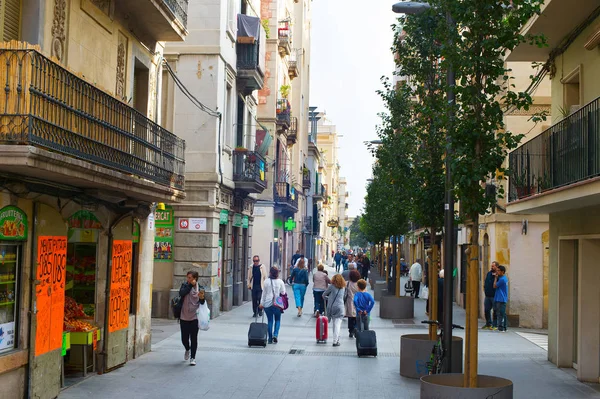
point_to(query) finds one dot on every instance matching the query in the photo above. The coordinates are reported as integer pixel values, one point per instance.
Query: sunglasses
(255, 260)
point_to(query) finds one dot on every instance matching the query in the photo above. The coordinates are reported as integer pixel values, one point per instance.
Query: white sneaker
(192, 362)
(187, 355)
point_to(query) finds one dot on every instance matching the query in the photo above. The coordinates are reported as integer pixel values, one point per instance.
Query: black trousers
(189, 336)
(351, 324)
(256, 295)
(416, 286)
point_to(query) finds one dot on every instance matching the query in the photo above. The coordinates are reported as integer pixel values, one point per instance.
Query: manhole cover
(296, 351)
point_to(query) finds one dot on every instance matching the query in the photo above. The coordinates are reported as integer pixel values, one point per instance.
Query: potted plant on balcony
(285, 91)
(305, 172)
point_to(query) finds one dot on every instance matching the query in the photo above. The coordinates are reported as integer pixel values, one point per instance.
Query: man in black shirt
(488, 303)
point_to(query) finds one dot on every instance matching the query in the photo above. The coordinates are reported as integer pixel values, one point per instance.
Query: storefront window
(9, 276)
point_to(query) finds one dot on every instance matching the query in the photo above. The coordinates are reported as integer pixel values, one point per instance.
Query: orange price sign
(50, 292)
(120, 280)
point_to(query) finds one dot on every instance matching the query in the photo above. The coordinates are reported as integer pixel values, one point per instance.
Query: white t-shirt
(270, 289)
(305, 262)
(416, 272)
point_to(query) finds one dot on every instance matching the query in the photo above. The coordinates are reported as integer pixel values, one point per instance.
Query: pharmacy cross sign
(290, 225)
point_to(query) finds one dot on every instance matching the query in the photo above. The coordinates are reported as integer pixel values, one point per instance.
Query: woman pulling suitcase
(334, 295)
(274, 287)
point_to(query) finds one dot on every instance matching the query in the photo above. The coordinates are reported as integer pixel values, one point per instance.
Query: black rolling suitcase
(366, 343)
(258, 333)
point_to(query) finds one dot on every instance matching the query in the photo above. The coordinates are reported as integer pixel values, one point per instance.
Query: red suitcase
(322, 329)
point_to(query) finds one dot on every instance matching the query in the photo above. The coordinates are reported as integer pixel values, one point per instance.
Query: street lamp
(414, 8)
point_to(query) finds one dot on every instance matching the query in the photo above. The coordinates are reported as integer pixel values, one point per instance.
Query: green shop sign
(135, 232)
(164, 228)
(13, 224)
(290, 224)
(84, 220)
(224, 217)
(237, 220)
(245, 222)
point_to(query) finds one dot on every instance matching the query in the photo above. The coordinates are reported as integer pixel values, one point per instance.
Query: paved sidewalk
(227, 368)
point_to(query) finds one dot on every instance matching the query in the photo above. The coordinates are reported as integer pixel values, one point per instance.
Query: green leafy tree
(357, 237)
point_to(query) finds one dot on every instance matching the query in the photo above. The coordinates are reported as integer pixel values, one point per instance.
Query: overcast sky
(351, 42)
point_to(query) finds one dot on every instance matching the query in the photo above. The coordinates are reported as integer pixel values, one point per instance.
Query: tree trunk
(433, 286)
(471, 327)
(397, 273)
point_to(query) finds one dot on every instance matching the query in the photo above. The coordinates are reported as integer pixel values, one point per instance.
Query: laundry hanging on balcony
(248, 29)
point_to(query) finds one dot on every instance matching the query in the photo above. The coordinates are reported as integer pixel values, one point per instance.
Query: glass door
(9, 284)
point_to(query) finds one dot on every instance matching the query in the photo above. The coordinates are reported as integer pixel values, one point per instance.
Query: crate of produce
(84, 337)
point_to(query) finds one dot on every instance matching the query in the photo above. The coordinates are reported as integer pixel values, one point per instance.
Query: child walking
(364, 302)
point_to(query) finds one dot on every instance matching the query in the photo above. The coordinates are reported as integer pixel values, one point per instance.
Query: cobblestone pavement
(297, 367)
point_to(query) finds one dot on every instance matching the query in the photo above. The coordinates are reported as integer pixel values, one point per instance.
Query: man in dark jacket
(488, 303)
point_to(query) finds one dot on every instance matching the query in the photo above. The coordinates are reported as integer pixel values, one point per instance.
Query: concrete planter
(415, 351)
(380, 289)
(392, 307)
(451, 386)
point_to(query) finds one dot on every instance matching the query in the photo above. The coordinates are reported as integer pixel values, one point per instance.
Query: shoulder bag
(279, 301)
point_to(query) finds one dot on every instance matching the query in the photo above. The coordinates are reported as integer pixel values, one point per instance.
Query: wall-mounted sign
(135, 235)
(192, 224)
(84, 220)
(120, 280)
(50, 293)
(237, 220)
(224, 216)
(333, 223)
(7, 335)
(13, 224)
(290, 225)
(163, 236)
(245, 222)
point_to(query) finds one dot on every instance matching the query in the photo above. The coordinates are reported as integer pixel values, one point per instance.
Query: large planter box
(415, 352)
(380, 289)
(451, 386)
(393, 307)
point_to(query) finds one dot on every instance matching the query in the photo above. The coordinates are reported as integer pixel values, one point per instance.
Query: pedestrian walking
(363, 302)
(338, 260)
(351, 290)
(346, 273)
(334, 294)
(257, 274)
(320, 283)
(501, 297)
(415, 275)
(344, 261)
(491, 322)
(295, 257)
(193, 296)
(299, 279)
(366, 267)
(352, 262)
(274, 287)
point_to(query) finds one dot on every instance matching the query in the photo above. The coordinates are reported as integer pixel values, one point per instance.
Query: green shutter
(10, 19)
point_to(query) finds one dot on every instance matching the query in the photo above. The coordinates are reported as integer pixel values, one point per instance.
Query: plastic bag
(424, 292)
(203, 317)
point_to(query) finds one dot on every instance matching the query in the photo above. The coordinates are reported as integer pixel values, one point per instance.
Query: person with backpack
(334, 294)
(191, 296)
(274, 287)
(299, 280)
(257, 274)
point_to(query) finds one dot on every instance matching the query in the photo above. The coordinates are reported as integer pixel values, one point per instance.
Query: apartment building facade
(84, 164)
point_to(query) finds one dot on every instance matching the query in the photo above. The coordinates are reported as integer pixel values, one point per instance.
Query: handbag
(346, 292)
(424, 292)
(281, 301)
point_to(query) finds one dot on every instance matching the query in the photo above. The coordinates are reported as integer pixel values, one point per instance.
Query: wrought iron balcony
(285, 197)
(283, 114)
(284, 33)
(249, 171)
(45, 106)
(293, 70)
(250, 76)
(565, 154)
(292, 133)
(161, 20)
(306, 181)
(320, 193)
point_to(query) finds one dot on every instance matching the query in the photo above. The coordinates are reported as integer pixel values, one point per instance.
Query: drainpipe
(32, 307)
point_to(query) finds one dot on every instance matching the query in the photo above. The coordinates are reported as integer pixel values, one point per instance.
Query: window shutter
(10, 11)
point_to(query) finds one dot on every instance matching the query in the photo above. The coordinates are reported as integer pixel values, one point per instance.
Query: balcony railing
(566, 153)
(320, 193)
(284, 34)
(179, 8)
(285, 195)
(283, 113)
(249, 171)
(306, 181)
(292, 134)
(250, 76)
(44, 105)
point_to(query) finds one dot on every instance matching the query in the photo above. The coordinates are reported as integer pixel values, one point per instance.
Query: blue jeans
(488, 305)
(299, 292)
(319, 302)
(500, 309)
(273, 313)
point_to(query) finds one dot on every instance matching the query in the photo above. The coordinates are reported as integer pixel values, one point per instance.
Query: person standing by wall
(501, 297)
(334, 295)
(257, 274)
(488, 302)
(188, 321)
(274, 287)
(299, 279)
(415, 275)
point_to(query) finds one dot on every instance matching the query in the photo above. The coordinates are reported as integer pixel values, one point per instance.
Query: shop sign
(120, 280)
(84, 220)
(245, 222)
(290, 225)
(7, 336)
(194, 224)
(135, 235)
(50, 293)
(13, 224)
(224, 216)
(237, 220)
(163, 235)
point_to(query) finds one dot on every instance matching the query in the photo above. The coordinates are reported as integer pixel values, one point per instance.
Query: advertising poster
(163, 235)
(50, 292)
(120, 280)
(7, 336)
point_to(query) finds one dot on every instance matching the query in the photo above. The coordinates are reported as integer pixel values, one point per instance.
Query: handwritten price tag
(120, 283)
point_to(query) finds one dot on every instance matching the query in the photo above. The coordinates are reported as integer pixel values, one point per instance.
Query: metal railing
(283, 112)
(306, 183)
(45, 105)
(285, 193)
(249, 166)
(292, 133)
(247, 56)
(566, 153)
(179, 8)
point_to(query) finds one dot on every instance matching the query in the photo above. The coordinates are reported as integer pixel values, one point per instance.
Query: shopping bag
(203, 317)
(424, 292)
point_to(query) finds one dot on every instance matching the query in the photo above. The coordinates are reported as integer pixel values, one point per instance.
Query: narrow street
(297, 367)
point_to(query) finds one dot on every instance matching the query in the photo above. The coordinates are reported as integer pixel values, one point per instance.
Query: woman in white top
(273, 287)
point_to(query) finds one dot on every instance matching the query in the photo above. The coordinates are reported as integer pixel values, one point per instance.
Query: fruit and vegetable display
(75, 319)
